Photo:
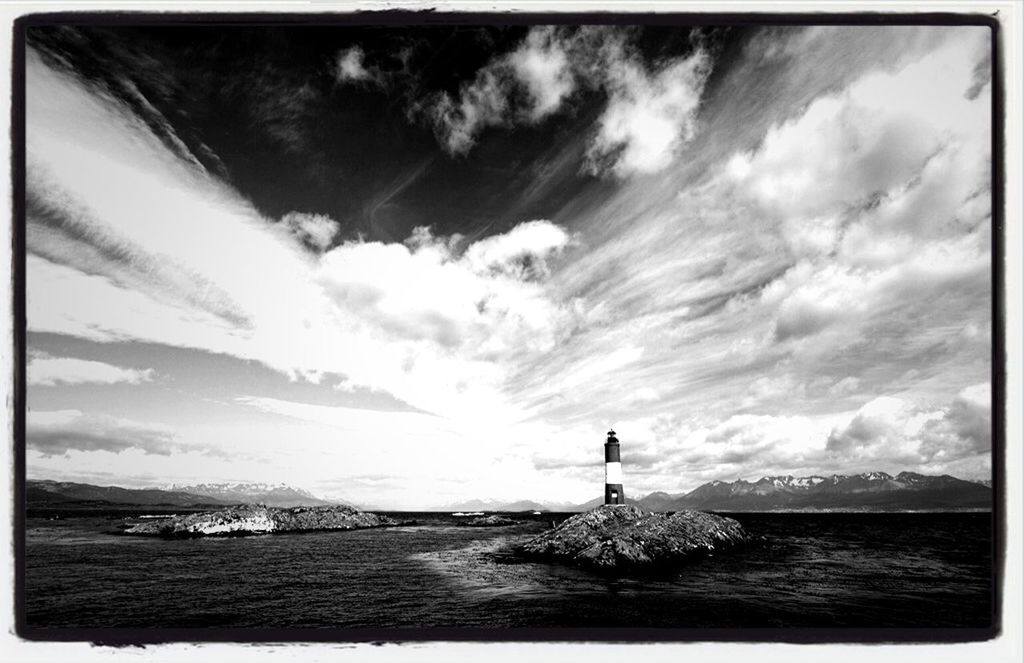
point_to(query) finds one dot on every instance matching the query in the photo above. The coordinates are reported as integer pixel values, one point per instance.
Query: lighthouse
(612, 471)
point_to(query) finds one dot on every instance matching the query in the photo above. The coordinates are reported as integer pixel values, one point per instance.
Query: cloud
(487, 302)
(847, 385)
(349, 66)
(541, 63)
(894, 155)
(892, 430)
(47, 371)
(649, 115)
(521, 253)
(316, 231)
(875, 199)
(482, 103)
(526, 86)
(59, 432)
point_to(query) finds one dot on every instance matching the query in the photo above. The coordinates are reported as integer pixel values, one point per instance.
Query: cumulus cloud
(542, 65)
(892, 430)
(522, 253)
(47, 371)
(488, 301)
(650, 112)
(316, 231)
(350, 66)
(650, 115)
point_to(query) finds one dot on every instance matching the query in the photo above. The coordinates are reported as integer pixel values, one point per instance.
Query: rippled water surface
(862, 570)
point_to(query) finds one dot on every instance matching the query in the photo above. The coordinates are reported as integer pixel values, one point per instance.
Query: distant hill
(66, 493)
(253, 493)
(496, 505)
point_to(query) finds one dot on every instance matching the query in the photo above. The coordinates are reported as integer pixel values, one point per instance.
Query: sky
(407, 266)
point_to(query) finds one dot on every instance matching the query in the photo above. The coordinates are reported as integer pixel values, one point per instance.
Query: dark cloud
(55, 436)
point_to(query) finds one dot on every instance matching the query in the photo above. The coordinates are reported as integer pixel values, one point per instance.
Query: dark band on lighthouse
(612, 471)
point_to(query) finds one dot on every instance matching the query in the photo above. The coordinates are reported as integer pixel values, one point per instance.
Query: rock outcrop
(489, 521)
(259, 519)
(625, 537)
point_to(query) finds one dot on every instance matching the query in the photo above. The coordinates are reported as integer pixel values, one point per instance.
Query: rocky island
(490, 521)
(625, 537)
(259, 519)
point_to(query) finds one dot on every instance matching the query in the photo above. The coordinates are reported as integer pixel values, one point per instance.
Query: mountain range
(42, 493)
(870, 491)
(67, 493)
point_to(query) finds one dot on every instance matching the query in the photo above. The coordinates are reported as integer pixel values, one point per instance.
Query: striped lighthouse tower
(612, 471)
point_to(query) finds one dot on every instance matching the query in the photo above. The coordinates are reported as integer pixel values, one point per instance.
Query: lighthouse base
(613, 494)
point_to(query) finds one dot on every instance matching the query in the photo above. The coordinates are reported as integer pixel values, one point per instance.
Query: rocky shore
(625, 537)
(259, 519)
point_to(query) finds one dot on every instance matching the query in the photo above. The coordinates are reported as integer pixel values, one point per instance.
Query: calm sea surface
(832, 570)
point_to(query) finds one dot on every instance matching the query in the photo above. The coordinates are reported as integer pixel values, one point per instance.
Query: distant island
(868, 491)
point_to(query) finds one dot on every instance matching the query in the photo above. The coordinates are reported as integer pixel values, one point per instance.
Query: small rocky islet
(490, 521)
(259, 519)
(624, 537)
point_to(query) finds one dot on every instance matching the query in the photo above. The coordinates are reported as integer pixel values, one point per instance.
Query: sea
(832, 570)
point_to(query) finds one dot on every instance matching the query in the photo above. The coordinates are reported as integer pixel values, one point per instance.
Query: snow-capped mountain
(253, 493)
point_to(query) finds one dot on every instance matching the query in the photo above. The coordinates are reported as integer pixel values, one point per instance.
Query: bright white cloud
(488, 304)
(542, 64)
(47, 371)
(649, 116)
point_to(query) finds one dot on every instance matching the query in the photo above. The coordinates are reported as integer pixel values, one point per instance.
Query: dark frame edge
(18, 294)
(999, 357)
(430, 16)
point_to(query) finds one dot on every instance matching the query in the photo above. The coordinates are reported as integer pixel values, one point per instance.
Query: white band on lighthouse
(613, 473)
